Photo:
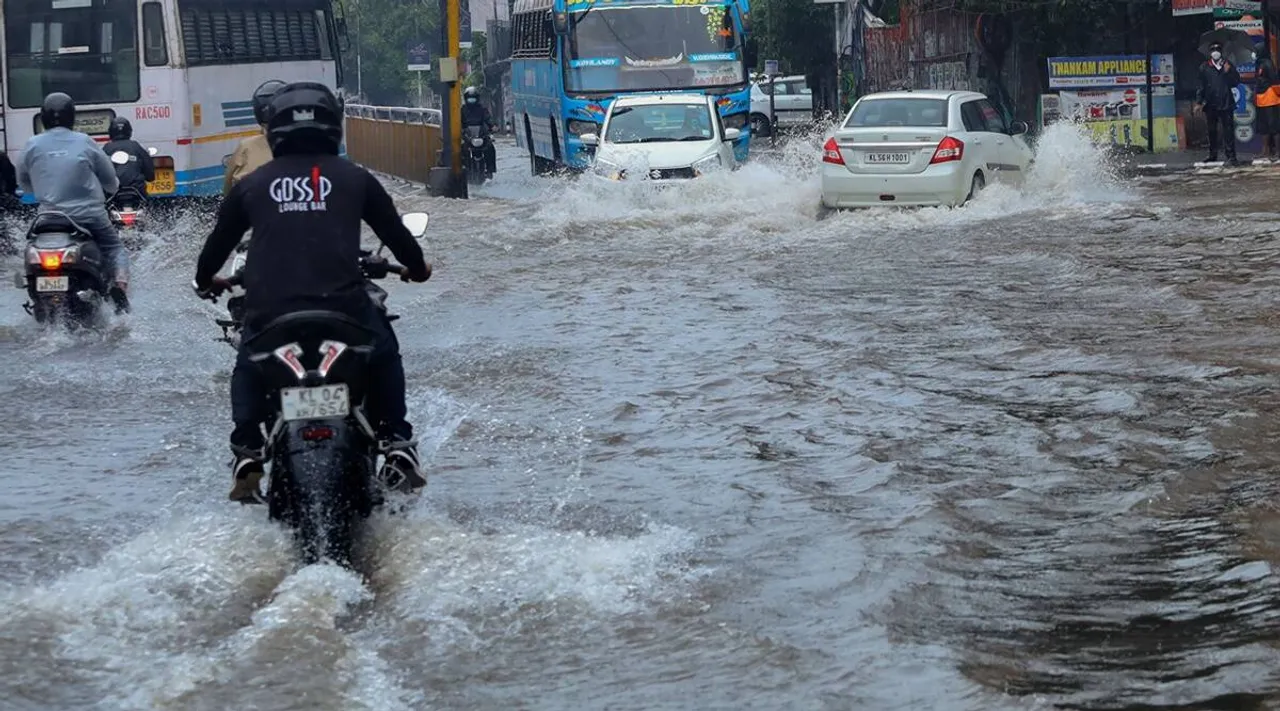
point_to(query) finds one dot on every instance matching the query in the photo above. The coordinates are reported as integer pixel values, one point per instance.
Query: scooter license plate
(58, 283)
(316, 403)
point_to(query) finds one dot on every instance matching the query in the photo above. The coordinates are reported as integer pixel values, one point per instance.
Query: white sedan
(662, 137)
(921, 148)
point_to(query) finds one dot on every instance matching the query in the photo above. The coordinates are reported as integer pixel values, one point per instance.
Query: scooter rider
(253, 152)
(68, 173)
(140, 169)
(307, 205)
(475, 114)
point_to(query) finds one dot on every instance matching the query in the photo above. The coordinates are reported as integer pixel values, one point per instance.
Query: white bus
(182, 71)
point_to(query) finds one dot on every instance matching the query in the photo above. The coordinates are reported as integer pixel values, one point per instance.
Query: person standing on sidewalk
(1266, 86)
(1214, 97)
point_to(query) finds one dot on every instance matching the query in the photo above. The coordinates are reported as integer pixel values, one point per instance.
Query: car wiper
(694, 138)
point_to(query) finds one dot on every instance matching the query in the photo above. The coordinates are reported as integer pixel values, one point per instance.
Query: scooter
(64, 276)
(125, 207)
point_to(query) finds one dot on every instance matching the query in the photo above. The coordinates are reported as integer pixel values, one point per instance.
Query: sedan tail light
(949, 149)
(831, 152)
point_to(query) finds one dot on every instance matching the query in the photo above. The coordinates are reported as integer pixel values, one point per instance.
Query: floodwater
(704, 448)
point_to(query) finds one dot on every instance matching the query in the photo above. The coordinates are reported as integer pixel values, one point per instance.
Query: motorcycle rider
(253, 152)
(475, 114)
(307, 205)
(68, 173)
(140, 169)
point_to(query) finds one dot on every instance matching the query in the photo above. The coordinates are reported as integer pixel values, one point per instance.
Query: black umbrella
(1236, 45)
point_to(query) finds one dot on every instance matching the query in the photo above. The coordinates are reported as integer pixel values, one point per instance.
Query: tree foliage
(797, 33)
(380, 32)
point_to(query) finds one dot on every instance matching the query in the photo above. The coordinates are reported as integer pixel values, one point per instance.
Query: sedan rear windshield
(899, 112)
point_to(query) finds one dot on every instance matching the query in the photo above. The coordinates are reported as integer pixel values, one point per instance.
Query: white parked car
(921, 148)
(662, 137)
(792, 104)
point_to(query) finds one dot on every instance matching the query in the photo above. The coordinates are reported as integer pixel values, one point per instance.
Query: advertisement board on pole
(1110, 70)
(419, 56)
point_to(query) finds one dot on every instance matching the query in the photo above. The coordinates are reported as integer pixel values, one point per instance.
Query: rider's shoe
(119, 297)
(246, 479)
(402, 469)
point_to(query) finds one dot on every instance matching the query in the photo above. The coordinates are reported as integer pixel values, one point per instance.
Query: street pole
(1151, 121)
(773, 115)
(447, 180)
(835, 11)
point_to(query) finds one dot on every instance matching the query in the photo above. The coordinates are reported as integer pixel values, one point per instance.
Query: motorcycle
(64, 275)
(322, 450)
(475, 142)
(125, 207)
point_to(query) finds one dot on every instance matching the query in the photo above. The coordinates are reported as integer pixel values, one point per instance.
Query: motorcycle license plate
(315, 403)
(59, 283)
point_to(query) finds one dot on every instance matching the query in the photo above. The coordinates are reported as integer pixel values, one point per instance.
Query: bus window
(85, 48)
(245, 32)
(154, 50)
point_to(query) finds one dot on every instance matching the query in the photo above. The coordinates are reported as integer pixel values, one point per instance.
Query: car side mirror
(589, 139)
(152, 150)
(732, 134)
(120, 158)
(1017, 128)
(416, 223)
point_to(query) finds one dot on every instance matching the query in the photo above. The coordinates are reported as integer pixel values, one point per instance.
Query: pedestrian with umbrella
(1214, 97)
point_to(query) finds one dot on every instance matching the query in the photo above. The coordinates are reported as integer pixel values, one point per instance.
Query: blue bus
(570, 58)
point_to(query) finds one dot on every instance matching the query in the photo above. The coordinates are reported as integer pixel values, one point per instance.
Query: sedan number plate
(59, 283)
(315, 403)
(889, 158)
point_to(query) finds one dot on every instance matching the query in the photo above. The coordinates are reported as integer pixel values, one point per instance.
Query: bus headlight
(581, 128)
(738, 121)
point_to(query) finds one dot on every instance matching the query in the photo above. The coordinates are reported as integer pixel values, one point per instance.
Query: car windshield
(659, 123)
(653, 48)
(917, 113)
(86, 48)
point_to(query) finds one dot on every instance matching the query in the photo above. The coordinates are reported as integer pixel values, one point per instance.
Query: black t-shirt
(305, 212)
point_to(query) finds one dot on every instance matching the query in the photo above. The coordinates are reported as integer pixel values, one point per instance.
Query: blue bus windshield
(653, 48)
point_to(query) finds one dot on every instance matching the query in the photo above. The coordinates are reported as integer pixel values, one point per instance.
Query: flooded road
(704, 448)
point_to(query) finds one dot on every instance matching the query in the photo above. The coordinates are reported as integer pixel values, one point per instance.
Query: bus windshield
(653, 48)
(86, 48)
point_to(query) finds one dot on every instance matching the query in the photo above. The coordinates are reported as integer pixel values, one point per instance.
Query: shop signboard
(1108, 95)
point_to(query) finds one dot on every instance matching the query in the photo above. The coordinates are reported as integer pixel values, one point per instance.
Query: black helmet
(307, 115)
(120, 129)
(262, 99)
(58, 110)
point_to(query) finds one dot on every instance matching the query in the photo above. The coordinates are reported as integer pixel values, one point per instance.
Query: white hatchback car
(920, 148)
(662, 137)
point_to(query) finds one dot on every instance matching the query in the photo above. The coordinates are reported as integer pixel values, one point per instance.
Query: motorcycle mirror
(120, 158)
(416, 223)
(152, 150)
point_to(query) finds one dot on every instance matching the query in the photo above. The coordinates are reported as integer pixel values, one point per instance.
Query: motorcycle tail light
(51, 261)
(128, 218)
(317, 433)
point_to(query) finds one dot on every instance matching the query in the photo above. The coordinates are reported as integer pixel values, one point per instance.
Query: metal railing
(395, 140)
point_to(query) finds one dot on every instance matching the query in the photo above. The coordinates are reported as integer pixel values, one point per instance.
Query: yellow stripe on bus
(227, 136)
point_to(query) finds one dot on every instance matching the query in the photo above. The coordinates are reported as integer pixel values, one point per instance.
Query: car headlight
(707, 165)
(612, 171)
